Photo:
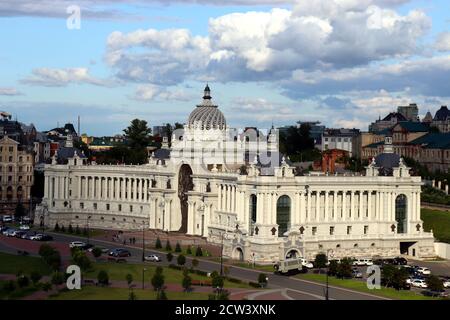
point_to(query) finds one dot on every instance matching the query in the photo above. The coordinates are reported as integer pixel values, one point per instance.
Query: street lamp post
(221, 256)
(88, 231)
(143, 272)
(143, 241)
(328, 269)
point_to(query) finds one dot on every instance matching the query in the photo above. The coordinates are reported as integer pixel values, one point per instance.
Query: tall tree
(138, 134)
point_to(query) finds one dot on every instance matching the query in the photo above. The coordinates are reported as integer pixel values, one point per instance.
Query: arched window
(283, 214)
(400, 213)
(253, 208)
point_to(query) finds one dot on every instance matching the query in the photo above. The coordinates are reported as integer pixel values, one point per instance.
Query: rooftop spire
(207, 92)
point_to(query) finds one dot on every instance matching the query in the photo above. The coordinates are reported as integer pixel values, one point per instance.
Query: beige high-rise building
(16, 175)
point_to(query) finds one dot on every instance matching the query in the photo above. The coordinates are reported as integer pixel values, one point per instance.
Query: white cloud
(52, 77)
(9, 91)
(443, 41)
(151, 92)
(256, 46)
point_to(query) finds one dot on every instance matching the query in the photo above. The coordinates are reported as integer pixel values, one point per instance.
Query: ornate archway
(401, 213)
(238, 254)
(283, 214)
(185, 185)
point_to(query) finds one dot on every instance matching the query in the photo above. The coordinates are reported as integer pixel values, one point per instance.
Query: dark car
(120, 253)
(20, 233)
(87, 246)
(43, 237)
(400, 261)
(437, 294)
(28, 235)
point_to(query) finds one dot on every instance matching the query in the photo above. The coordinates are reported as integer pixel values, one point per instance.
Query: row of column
(227, 198)
(330, 206)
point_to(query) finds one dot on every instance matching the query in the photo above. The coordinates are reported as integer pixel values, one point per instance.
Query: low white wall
(442, 249)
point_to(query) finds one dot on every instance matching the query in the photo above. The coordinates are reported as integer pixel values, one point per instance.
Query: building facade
(16, 175)
(260, 209)
(341, 139)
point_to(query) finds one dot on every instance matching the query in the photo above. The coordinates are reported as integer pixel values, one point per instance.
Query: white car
(7, 219)
(36, 237)
(24, 227)
(77, 244)
(152, 257)
(446, 283)
(419, 283)
(424, 271)
(306, 263)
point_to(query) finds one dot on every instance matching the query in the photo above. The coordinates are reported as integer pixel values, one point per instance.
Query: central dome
(206, 115)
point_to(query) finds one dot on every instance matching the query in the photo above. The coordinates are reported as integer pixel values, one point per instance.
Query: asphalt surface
(302, 289)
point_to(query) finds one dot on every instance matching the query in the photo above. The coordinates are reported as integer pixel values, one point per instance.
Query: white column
(309, 218)
(274, 208)
(317, 213)
(302, 216)
(219, 197)
(344, 204)
(361, 201)
(259, 207)
(369, 204)
(327, 214)
(335, 193)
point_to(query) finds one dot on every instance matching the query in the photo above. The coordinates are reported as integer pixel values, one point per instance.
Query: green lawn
(11, 264)
(99, 293)
(16, 294)
(118, 271)
(362, 286)
(439, 222)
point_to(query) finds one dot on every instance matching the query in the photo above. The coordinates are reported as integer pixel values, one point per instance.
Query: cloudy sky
(342, 62)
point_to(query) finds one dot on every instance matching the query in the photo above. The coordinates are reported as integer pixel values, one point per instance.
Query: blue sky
(342, 62)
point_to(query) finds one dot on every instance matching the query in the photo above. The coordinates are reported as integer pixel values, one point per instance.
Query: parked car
(152, 257)
(7, 219)
(424, 271)
(446, 282)
(19, 233)
(356, 273)
(3, 229)
(77, 244)
(28, 235)
(42, 237)
(437, 294)
(419, 283)
(119, 252)
(24, 227)
(400, 261)
(11, 232)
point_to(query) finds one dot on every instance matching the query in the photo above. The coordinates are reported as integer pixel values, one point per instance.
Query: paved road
(301, 289)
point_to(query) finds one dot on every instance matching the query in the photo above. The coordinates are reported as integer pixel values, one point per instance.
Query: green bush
(186, 283)
(46, 286)
(254, 284)
(168, 246)
(198, 252)
(161, 295)
(189, 250)
(57, 278)
(85, 231)
(181, 260)
(169, 256)
(217, 282)
(103, 278)
(158, 244)
(23, 281)
(70, 229)
(234, 280)
(157, 281)
(262, 279)
(96, 252)
(77, 230)
(51, 256)
(177, 247)
(63, 229)
(195, 263)
(129, 278)
(434, 283)
(80, 259)
(35, 277)
(56, 227)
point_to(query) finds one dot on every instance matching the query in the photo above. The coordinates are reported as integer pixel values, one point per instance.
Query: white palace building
(229, 185)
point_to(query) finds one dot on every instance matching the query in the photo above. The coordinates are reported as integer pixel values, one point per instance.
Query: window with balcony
(366, 229)
(349, 229)
(81, 205)
(331, 231)
(314, 231)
